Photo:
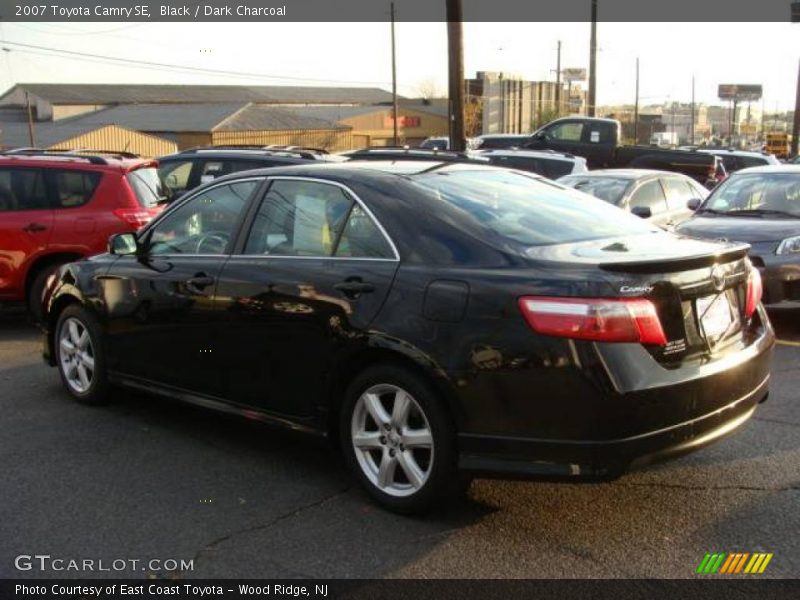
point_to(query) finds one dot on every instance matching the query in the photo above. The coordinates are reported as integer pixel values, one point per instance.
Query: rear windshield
(610, 189)
(148, 187)
(527, 210)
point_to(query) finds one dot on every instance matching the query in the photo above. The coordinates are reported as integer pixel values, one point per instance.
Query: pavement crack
(271, 523)
(683, 486)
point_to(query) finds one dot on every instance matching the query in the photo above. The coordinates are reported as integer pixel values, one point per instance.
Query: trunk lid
(698, 287)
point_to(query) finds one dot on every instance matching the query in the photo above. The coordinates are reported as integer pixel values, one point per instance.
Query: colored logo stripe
(734, 563)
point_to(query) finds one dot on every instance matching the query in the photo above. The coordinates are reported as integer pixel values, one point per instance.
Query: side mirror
(123, 244)
(642, 211)
(542, 136)
(694, 203)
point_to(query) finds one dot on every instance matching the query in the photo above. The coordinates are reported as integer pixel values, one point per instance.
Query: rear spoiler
(727, 253)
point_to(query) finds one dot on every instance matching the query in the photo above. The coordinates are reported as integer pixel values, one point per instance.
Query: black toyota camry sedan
(439, 320)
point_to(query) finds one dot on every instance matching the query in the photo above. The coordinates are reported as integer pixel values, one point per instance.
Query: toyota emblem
(717, 278)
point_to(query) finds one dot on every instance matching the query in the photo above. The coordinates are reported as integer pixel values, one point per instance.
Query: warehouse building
(187, 116)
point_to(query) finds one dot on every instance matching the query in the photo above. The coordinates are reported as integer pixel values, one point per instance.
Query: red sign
(402, 122)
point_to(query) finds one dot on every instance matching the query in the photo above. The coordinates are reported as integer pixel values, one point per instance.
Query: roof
(259, 117)
(624, 173)
(529, 153)
(790, 169)
(69, 93)
(161, 117)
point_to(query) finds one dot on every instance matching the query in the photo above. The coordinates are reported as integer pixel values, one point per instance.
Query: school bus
(778, 143)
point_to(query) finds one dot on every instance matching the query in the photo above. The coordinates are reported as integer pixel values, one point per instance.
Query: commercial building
(186, 116)
(509, 104)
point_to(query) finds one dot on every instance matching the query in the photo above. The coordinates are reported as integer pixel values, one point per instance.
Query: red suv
(57, 207)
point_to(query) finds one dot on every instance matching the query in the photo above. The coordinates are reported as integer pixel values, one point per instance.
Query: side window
(678, 191)
(600, 133)
(211, 170)
(650, 195)
(299, 218)
(567, 132)
(175, 174)
(553, 169)
(22, 189)
(74, 188)
(204, 224)
(361, 238)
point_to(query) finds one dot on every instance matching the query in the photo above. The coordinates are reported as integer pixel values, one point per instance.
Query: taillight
(755, 290)
(135, 217)
(597, 319)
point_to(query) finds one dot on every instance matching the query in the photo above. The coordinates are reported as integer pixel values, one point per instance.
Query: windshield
(527, 210)
(757, 193)
(148, 187)
(610, 189)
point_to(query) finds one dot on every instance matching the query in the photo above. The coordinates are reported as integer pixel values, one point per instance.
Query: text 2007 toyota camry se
(439, 320)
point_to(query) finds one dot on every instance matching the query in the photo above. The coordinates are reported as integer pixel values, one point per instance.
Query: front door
(312, 274)
(160, 304)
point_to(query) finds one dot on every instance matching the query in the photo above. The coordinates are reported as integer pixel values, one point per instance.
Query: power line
(185, 68)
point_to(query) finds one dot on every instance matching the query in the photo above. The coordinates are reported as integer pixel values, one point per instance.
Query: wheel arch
(56, 308)
(47, 260)
(386, 352)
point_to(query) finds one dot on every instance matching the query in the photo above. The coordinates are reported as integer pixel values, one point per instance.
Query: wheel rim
(76, 355)
(392, 440)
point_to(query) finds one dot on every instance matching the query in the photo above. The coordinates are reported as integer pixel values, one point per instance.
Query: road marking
(788, 343)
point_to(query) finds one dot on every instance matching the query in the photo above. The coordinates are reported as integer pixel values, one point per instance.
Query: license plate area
(717, 316)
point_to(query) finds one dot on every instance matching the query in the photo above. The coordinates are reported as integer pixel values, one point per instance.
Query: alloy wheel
(392, 440)
(76, 355)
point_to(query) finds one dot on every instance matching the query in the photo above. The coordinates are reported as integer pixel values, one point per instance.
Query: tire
(80, 359)
(35, 291)
(408, 461)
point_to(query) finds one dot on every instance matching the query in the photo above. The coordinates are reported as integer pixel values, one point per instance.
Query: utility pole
(636, 107)
(592, 95)
(31, 137)
(558, 80)
(394, 79)
(692, 125)
(796, 126)
(455, 46)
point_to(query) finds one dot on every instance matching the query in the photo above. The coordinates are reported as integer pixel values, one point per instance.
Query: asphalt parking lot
(144, 478)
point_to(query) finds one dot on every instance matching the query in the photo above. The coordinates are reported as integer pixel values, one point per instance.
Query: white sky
(338, 53)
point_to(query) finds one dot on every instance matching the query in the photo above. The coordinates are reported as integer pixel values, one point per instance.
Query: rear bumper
(736, 390)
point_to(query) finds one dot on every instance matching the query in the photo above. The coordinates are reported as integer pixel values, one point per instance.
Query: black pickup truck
(597, 140)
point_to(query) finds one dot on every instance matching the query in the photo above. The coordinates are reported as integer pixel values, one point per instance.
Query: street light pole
(558, 80)
(394, 80)
(636, 107)
(692, 131)
(592, 63)
(796, 125)
(455, 44)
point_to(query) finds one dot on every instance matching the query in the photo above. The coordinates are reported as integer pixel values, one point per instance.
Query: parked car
(659, 196)
(501, 140)
(543, 162)
(440, 320)
(735, 160)
(188, 169)
(760, 206)
(406, 154)
(56, 207)
(441, 142)
(598, 141)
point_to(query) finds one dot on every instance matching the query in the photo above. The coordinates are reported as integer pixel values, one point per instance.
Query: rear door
(26, 226)
(309, 276)
(75, 228)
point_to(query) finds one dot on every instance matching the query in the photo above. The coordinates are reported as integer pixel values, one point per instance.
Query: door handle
(198, 282)
(354, 287)
(34, 227)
